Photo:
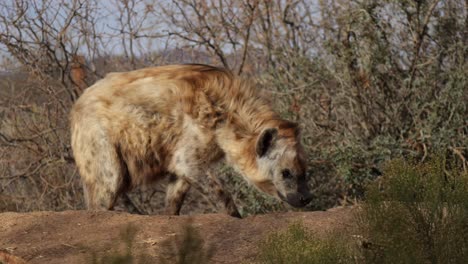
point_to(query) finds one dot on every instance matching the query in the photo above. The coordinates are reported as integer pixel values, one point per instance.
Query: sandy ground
(70, 236)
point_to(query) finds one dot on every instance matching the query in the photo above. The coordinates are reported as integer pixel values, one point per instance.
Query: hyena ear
(266, 141)
(290, 128)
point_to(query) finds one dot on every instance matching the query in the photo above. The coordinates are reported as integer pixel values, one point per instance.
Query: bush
(298, 246)
(187, 247)
(417, 213)
(127, 236)
(373, 93)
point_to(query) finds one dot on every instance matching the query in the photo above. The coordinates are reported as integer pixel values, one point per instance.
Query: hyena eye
(286, 174)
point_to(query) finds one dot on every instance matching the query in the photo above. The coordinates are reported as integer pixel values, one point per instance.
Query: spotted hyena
(133, 128)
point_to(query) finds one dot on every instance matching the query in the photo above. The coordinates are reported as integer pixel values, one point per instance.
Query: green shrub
(417, 213)
(127, 236)
(297, 246)
(188, 247)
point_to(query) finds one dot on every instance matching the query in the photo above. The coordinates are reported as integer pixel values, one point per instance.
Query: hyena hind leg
(99, 197)
(105, 199)
(103, 172)
(177, 189)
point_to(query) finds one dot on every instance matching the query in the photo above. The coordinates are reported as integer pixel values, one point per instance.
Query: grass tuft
(297, 245)
(125, 256)
(188, 247)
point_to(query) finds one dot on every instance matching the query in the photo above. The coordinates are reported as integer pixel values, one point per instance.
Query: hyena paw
(234, 213)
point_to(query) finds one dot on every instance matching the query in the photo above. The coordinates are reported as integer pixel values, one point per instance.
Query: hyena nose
(298, 199)
(305, 199)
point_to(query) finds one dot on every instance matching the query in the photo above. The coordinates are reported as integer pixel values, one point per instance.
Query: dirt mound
(70, 236)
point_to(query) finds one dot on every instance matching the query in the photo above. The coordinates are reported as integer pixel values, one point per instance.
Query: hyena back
(133, 128)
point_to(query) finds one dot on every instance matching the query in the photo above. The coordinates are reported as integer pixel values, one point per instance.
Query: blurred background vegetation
(415, 213)
(368, 81)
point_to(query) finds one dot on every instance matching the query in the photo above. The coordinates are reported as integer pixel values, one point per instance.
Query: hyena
(177, 121)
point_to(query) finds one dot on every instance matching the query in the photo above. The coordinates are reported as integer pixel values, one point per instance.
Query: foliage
(186, 248)
(417, 213)
(127, 236)
(371, 93)
(297, 245)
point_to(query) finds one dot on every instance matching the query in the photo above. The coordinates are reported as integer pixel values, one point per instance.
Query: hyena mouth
(296, 199)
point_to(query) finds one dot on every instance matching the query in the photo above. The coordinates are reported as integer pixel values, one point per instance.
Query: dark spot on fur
(270, 171)
(197, 155)
(106, 197)
(93, 143)
(100, 180)
(109, 174)
(87, 167)
(105, 101)
(172, 178)
(119, 92)
(153, 159)
(109, 193)
(139, 164)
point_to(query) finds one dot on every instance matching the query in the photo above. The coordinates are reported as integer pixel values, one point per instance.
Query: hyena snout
(299, 196)
(298, 199)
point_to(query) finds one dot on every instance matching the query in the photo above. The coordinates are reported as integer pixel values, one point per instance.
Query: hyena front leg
(222, 196)
(176, 191)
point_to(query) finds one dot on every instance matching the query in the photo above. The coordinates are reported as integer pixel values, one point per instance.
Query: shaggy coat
(133, 128)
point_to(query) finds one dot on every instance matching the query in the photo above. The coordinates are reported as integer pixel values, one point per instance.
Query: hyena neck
(245, 114)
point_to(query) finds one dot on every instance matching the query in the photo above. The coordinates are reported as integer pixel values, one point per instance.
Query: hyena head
(281, 165)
